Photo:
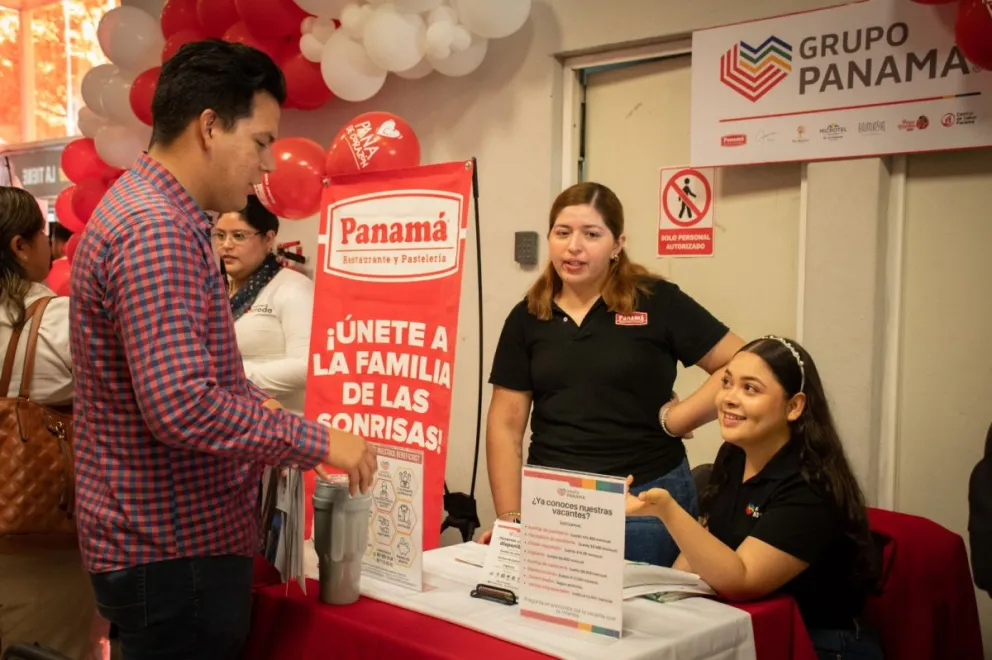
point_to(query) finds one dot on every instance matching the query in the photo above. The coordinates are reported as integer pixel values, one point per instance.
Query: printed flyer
(572, 551)
(395, 550)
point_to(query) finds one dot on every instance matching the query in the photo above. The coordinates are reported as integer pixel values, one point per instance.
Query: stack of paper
(661, 584)
(282, 519)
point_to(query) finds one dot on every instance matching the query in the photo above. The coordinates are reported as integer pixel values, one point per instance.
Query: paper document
(282, 522)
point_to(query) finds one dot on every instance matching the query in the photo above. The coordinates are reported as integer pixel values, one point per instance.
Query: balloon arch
(327, 49)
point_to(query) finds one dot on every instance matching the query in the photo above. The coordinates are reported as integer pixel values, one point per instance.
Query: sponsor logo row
(834, 131)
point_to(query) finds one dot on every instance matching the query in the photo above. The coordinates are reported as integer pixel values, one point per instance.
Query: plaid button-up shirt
(170, 437)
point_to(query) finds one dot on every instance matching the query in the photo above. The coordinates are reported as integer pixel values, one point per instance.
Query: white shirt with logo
(274, 338)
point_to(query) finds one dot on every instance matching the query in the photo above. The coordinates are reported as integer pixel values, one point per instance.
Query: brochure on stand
(572, 550)
(395, 543)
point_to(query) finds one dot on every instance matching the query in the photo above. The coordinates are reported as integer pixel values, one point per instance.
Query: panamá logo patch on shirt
(634, 318)
(261, 309)
(752, 510)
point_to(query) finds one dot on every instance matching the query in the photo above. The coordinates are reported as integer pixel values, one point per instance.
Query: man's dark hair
(214, 75)
(60, 233)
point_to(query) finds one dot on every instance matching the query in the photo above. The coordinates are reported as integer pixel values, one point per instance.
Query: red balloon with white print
(371, 142)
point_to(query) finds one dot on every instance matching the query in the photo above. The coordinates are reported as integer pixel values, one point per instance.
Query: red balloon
(142, 91)
(180, 39)
(271, 18)
(58, 277)
(973, 31)
(216, 16)
(239, 34)
(64, 212)
(371, 142)
(293, 190)
(87, 196)
(80, 161)
(305, 87)
(70, 247)
(178, 15)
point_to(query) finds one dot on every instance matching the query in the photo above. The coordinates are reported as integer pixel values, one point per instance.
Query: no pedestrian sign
(685, 212)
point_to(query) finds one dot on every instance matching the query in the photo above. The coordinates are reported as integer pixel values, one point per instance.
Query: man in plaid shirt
(171, 438)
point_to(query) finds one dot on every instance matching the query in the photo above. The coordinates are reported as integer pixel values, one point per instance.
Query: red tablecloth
(294, 626)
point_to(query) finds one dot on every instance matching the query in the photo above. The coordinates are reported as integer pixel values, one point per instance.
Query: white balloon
(492, 20)
(116, 100)
(118, 146)
(420, 70)
(443, 14)
(323, 28)
(463, 62)
(322, 8)
(88, 122)
(131, 38)
(351, 20)
(461, 38)
(307, 24)
(417, 5)
(311, 47)
(395, 41)
(348, 71)
(438, 39)
(92, 86)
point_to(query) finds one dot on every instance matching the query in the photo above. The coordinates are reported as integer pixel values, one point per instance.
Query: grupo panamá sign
(868, 78)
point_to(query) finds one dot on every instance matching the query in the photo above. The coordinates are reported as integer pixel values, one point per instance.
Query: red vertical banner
(387, 289)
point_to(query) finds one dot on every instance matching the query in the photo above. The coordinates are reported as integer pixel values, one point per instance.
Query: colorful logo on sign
(753, 71)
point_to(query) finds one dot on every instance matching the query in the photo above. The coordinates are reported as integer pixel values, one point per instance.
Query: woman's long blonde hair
(626, 280)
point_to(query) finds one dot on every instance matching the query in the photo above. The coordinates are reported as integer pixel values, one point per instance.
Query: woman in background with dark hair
(45, 595)
(272, 305)
(783, 509)
(593, 349)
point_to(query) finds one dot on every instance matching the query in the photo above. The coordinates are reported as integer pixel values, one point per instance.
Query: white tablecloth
(690, 629)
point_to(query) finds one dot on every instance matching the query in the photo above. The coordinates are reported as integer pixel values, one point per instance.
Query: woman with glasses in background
(272, 305)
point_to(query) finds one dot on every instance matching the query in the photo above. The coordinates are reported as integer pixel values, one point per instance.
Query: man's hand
(272, 404)
(352, 454)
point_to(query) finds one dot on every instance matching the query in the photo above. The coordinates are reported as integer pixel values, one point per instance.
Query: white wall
(507, 115)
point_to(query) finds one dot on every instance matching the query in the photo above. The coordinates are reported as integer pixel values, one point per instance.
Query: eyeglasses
(238, 237)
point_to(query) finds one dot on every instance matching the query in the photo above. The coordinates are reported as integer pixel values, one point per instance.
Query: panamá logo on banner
(398, 235)
(753, 71)
(804, 86)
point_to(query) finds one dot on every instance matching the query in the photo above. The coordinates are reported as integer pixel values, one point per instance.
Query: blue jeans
(647, 540)
(188, 608)
(858, 644)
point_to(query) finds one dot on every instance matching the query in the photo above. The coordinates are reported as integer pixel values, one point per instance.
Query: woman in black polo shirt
(593, 348)
(783, 510)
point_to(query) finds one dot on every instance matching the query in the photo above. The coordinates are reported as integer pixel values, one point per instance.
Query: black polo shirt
(597, 387)
(778, 506)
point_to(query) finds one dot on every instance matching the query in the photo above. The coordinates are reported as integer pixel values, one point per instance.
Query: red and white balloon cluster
(370, 142)
(410, 38)
(972, 29)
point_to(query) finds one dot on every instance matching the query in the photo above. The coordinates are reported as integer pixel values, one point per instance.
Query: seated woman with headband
(783, 510)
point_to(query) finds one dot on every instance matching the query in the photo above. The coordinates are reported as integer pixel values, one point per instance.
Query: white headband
(795, 354)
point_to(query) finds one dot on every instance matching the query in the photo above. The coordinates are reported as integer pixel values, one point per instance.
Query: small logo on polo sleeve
(752, 511)
(634, 318)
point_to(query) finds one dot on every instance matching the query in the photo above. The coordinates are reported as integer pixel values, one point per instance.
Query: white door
(637, 121)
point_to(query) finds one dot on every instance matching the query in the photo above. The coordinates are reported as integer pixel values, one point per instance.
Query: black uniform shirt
(778, 506)
(597, 387)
